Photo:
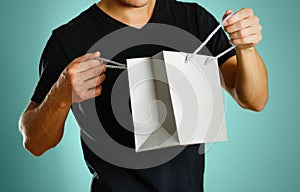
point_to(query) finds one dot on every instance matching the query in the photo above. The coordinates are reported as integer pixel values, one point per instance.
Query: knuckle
(243, 41)
(230, 30)
(232, 36)
(248, 11)
(234, 41)
(256, 19)
(259, 39)
(241, 24)
(103, 68)
(241, 33)
(99, 81)
(244, 9)
(69, 71)
(244, 12)
(103, 77)
(227, 29)
(95, 62)
(99, 90)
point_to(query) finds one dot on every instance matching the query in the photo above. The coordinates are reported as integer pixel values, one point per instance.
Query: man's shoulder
(78, 35)
(78, 23)
(178, 4)
(187, 10)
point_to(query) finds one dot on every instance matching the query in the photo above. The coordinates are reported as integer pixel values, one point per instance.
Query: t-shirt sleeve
(220, 41)
(52, 63)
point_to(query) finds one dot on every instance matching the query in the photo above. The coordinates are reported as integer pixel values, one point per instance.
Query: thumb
(88, 56)
(226, 14)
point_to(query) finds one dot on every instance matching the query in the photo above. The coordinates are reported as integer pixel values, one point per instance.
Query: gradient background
(262, 153)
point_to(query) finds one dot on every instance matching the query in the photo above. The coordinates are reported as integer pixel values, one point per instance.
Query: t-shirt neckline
(117, 23)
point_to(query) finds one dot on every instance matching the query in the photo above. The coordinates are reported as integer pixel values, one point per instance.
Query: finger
(252, 39)
(228, 12)
(238, 26)
(246, 32)
(83, 66)
(88, 94)
(94, 82)
(88, 56)
(94, 92)
(90, 73)
(104, 69)
(240, 15)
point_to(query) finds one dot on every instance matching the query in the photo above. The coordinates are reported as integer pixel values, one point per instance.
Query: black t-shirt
(76, 38)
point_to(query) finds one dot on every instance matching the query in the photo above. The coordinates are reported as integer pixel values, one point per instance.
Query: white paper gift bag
(174, 102)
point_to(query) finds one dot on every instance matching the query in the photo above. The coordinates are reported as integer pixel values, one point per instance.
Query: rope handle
(209, 38)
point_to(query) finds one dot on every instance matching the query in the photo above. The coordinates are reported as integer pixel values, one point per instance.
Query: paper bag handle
(210, 37)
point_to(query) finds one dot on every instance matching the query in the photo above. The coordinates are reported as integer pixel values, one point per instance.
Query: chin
(135, 3)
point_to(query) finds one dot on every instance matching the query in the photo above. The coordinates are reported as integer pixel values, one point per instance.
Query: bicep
(53, 62)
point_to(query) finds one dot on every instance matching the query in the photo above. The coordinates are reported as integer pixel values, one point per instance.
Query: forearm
(251, 82)
(43, 126)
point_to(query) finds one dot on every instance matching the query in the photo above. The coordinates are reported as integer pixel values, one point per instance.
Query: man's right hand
(81, 79)
(42, 125)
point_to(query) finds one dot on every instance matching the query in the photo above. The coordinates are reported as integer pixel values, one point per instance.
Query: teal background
(262, 153)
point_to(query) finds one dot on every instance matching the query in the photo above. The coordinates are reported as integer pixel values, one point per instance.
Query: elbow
(256, 102)
(27, 143)
(261, 104)
(34, 150)
(260, 107)
(32, 144)
(257, 106)
(37, 146)
(35, 141)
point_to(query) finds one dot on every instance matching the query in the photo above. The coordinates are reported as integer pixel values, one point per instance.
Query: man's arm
(245, 74)
(42, 125)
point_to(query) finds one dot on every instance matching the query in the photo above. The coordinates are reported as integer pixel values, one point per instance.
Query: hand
(82, 79)
(243, 28)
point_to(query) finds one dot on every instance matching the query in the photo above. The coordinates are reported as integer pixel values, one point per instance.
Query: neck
(136, 15)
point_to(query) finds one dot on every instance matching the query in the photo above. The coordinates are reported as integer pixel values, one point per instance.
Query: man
(63, 84)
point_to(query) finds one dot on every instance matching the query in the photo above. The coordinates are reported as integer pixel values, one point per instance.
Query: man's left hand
(243, 28)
